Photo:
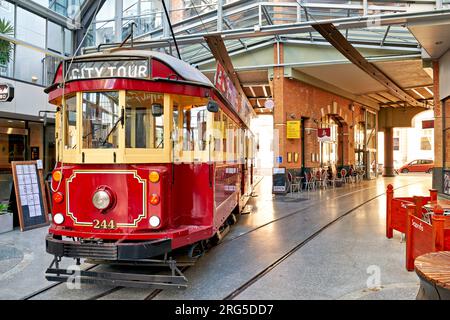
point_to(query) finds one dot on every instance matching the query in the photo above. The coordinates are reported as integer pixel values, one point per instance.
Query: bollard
(389, 197)
(418, 203)
(433, 195)
(438, 223)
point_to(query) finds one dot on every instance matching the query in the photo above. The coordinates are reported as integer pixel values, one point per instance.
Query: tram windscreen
(101, 115)
(143, 129)
(70, 123)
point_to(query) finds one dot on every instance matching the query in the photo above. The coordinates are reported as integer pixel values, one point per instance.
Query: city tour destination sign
(138, 69)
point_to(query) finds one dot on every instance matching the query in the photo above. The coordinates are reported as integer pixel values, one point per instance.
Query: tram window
(101, 117)
(218, 131)
(143, 130)
(225, 135)
(70, 123)
(194, 128)
(175, 119)
(231, 140)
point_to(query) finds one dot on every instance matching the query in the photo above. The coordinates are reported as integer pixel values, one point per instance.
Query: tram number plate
(109, 225)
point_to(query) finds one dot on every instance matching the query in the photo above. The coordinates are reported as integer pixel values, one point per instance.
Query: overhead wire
(63, 99)
(171, 28)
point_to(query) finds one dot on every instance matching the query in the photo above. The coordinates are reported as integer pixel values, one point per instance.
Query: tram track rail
(227, 240)
(48, 288)
(288, 254)
(155, 292)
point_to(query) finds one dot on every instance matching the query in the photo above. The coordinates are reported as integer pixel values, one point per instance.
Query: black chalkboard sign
(279, 180)
(29, 190)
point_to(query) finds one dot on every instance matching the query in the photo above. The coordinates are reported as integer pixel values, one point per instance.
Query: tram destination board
(29, 190)
(123, 68)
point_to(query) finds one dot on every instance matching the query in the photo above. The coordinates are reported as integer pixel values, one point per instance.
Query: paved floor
(336, 263)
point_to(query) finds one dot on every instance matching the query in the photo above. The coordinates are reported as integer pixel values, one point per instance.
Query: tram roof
(185, 70)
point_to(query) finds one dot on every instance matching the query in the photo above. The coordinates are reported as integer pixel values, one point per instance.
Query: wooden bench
(433, 270)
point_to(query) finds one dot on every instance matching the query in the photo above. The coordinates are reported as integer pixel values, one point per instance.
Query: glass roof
(199, 17)
(66, 8)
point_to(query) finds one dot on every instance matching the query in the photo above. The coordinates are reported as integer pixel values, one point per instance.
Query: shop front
(371, 157)
(328, 140)
(20, 140)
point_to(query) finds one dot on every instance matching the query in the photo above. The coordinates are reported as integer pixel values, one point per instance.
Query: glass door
(371, 145)
(13, 147)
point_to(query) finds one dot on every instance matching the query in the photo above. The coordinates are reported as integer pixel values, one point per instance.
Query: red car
(421, 165)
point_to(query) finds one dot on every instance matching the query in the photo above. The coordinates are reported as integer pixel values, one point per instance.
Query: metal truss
(244, 24)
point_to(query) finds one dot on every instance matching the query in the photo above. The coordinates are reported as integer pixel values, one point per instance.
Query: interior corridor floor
(327, 244)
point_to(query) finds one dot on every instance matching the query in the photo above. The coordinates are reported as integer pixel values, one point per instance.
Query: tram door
(244, 159)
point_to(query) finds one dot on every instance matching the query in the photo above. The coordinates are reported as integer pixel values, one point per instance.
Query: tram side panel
(227, 191)
(192, 194)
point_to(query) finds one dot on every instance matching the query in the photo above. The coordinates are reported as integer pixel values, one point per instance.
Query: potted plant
(6, 218)
(6, 28)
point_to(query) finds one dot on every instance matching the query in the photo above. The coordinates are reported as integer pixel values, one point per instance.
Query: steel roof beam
(385, 35)
(335, 37)
(46, 13)
(219, 51)
(31, 46)
(86, 16)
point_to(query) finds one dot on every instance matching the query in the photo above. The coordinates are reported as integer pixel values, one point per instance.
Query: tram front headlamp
(101, 200)
(58, 218)
(154, 221)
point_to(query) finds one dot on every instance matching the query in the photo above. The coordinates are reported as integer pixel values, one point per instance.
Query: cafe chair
(294, 184)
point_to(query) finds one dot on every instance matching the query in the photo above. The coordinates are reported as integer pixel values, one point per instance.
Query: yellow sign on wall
(293, 129)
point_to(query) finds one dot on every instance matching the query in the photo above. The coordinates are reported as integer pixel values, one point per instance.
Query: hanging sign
(324, 134)
(224, 84)
(293, 129)
(427, 124)
(6, 92)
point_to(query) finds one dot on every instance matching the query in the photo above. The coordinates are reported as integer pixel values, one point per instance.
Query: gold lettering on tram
(104, 224)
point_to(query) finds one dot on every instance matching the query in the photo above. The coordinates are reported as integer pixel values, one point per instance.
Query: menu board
(29, 190)
(279, 180)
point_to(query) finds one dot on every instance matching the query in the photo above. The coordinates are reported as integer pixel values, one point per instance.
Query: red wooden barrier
(422, 237)
(396, 212)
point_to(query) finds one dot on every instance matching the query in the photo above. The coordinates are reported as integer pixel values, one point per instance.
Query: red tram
(151, 157)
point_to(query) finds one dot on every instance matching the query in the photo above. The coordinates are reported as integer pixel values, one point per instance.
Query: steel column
(87, 14)
(166, 27)
(219, 15)
(118, 21)
(388, 152)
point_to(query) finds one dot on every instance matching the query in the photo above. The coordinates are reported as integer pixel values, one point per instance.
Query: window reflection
(100, 120)
(194, 128)
(70, 123)
(144, 128)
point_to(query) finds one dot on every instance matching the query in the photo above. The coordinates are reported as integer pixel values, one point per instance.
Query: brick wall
(294, 99)
(446, 124)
